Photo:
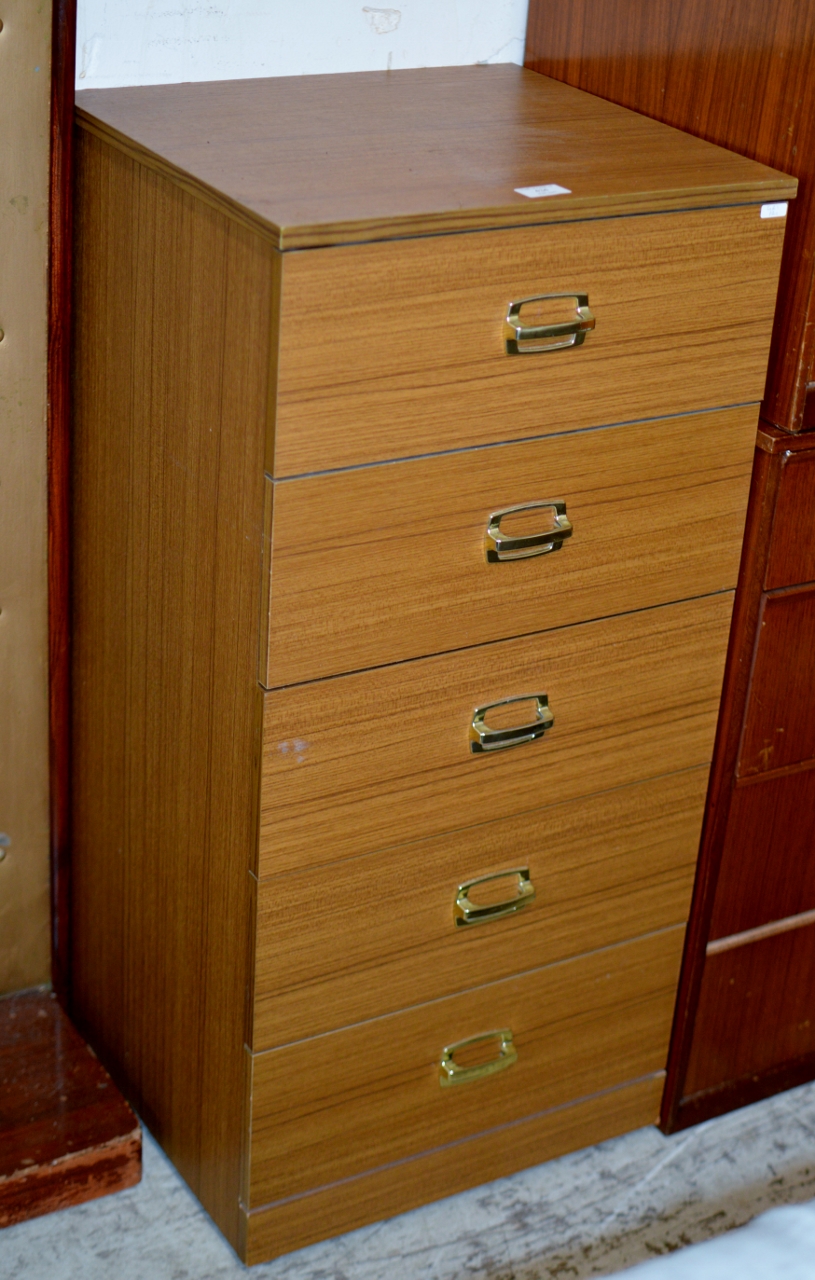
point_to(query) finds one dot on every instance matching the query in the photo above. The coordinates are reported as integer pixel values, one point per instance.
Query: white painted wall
(163, 41)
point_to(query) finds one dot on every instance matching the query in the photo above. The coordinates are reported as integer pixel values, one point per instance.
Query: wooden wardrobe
(741, 75)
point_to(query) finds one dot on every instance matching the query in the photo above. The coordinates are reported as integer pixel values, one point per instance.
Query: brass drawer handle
(572, 332)
(483, 738)
(451, 1073)
(466, 912)
(533, 544)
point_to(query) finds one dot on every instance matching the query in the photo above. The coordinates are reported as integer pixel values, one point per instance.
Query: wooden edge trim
(63, 58)
(265, 583)
(74, 1179)
(740, 650)
(768, 775)
(274, 363)
(193, 186)
(323, 235)
(751, 643)
(774, 439)
(742, 1092)
(785, 925)
(496, 218)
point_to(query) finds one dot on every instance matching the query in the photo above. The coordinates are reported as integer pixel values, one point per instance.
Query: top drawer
(397, 349)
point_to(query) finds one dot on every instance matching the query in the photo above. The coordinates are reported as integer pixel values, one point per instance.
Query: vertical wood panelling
(173, 309)
(779, 726)
(767, 871)
(59, 485)
(24, 129)
(738, 75)
(748, 1024)
(792, 555)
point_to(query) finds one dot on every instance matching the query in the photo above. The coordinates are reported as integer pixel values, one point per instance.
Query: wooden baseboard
(742, 1092)
(66, 1133)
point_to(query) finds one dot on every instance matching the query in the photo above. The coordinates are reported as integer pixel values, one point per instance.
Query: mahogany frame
(63, 61)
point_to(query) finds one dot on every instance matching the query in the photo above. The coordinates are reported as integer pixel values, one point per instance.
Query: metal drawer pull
(572, 332)
(467, 912)
(533, 544)
(483, 738)
(451, 1073)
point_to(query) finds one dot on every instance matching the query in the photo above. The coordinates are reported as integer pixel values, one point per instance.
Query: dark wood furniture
(66, 1134)
(742, 75)
(60, 249)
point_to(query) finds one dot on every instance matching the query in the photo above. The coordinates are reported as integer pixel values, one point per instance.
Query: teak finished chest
(407, 516)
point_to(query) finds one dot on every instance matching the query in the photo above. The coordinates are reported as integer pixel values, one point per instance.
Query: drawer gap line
(502, 444)
(485, 644)
(483, 986)
(448, 1146)
(278, 235)
(471, 826)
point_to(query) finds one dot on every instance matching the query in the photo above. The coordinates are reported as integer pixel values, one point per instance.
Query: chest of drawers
(400, 617)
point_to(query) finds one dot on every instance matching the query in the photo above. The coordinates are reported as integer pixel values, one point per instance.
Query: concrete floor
(591, 1213)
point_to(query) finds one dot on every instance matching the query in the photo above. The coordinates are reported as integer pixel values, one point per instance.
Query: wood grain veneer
(391, 762)
(405, 354)
(210, 347)
(172, 308)
(335, 1106)
(322, 159)
(375, 934)
(295, 1222)
(738, 75)
(386, 563)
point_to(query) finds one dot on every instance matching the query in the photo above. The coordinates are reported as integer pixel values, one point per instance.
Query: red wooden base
(743, 1092)
(66, 1133)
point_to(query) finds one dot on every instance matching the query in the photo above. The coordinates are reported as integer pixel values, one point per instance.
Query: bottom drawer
(336, 1105)
(290, 1224)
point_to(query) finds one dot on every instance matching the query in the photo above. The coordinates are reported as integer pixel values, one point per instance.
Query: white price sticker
(549, 189)
(774, 210)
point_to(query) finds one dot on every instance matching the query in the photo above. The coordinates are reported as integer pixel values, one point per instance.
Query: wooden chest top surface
(319, 160)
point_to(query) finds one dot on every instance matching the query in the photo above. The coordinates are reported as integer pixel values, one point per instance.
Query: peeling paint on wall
(382, 20)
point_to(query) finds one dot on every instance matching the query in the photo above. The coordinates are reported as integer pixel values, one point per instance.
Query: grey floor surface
(591, 1213)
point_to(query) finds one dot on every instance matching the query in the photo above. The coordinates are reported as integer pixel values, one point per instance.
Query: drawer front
(391, 350)
(332, 1210)
(372, 935)
(390, 562)
(381, 757)
(333, 1106)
